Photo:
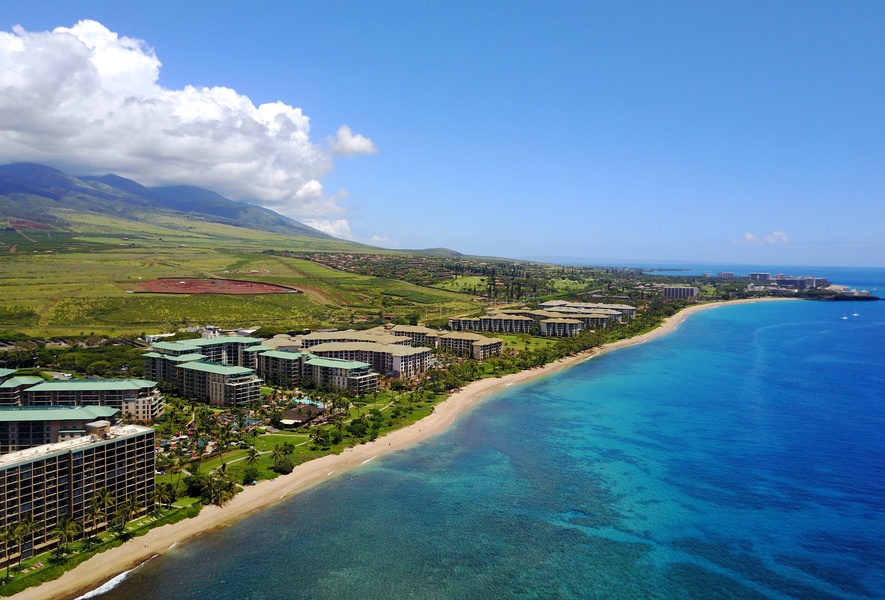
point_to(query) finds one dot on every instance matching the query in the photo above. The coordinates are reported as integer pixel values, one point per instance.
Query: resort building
(760, 276)
(218, 385)
(288, 368)
(472, 345)
(224, 350)
(674, 292)
(419, 335)
(163, 367)
(338, 374)
(375, 336)
(11, 389)
(23, 427)
(394, 360)
(561, 327)
(140, 399)
(47, 482)
(465, 324)
(800, 283)
(561, 306)
(279, 367)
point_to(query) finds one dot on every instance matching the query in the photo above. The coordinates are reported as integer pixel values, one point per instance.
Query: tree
(126, 510)
(219, 489)
(165, 494)
(97, 509)
(252, 456)
(26, 525)
(66, 530)
(12, 537)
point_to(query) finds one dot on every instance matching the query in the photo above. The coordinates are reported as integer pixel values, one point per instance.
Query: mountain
(43, 194)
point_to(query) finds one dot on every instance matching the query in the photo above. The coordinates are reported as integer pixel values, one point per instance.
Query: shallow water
(741, 456)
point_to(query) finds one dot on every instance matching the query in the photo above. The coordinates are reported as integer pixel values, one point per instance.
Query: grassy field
(62, 283)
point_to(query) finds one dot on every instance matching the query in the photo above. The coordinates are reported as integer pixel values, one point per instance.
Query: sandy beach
(103, 567)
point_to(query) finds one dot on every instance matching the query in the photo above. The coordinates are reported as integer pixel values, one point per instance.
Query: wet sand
(103, 567)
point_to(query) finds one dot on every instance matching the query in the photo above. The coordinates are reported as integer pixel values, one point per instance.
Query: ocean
(740, 456)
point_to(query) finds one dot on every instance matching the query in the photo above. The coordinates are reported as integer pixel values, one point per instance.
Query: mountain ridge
(40, 193)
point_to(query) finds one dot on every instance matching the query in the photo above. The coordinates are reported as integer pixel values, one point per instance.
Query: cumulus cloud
(340, 228)
(348, 144)
(86, 100)
(380, 238)
(775, 237)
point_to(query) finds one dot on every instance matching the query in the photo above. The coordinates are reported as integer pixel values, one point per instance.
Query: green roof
(175, 346)
(227, 339)
(6, 372)
(20, 380)
(258, 348)
(283, 354)
(191, 357)
(336, 363)
(105, 385)
(207, 367)
(55, 413)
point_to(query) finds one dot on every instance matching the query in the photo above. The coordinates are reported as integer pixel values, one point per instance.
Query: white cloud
(86, 100)
(340, 228)
(775, 237)
(348, 144)
(380, 238)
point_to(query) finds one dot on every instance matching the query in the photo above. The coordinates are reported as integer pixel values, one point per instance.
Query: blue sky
(738, 132)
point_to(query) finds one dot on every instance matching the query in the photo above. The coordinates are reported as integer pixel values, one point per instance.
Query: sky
(734, 132)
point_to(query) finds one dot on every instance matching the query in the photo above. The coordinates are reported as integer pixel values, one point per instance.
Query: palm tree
(165, 494)
(12, 537)
(127, 509)
(252, 457)
(219, 489)
(278, 453)
(65, 530)
(27, 526)
(97, 509)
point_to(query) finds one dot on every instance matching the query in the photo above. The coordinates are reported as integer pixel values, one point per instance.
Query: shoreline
(105, 566)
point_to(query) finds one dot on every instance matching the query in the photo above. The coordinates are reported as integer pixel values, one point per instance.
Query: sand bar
(103, 567)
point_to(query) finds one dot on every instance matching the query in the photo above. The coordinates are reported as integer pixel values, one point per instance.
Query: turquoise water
(741, 456)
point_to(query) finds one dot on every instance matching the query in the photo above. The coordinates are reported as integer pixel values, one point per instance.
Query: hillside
(46, 195)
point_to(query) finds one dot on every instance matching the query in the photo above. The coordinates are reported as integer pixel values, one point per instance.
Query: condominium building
(219, 385)
(561, 306)
(561, 327)
(674, 292)
(374, 336)
(224, 350)
(47, 482)
(138, 398)
(395, 360)
(23, 427)
(469, 344)
(419, 335)
(338, 374)
(11, 389)
(280, 367)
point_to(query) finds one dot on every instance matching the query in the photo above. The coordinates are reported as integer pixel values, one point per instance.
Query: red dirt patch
(29, 225)
(194, 285)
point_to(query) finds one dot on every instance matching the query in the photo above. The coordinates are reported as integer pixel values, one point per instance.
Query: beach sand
(103, 567)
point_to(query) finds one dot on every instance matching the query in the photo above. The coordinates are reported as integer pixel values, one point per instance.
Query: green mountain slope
(46, 195)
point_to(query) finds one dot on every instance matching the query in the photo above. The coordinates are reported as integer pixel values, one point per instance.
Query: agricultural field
(59, 283)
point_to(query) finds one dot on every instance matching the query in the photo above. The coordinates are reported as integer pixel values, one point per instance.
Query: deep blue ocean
(741, 456)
